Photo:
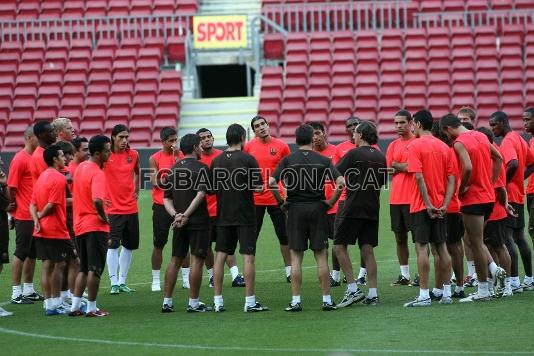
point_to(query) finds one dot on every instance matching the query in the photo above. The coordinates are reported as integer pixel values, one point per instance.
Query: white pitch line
(265, 349)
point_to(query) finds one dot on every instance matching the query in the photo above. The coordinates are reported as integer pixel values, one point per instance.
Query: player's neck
(506, 131)
(29, 149)
(407, 136)
(191, 155)
(265, 139)
(322, 147)
(234, 147)
(97, 161)
(306, 148)
(425, 133)
(77, 161)
(207, 151)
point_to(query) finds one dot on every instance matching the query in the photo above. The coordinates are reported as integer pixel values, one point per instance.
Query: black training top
(304, 173)
(234, 175)
(365, 172)
(188, 177)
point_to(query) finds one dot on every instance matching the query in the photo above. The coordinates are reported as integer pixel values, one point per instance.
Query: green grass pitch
(137, 327)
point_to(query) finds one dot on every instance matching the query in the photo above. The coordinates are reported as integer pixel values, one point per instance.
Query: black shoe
(401, 281)
(329, 306)
(415, 282)
(460, 294)
(167, 308)
(35, 297)
(294, 307)
(255, 308)
(371, 301)
(238, 281)
(334, 283)
(201, 308)
(361, 281)
(21, 300)
(434, 297)
(288, 279)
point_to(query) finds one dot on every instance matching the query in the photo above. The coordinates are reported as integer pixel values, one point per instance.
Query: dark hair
(202, 130)
(500, 116)
(167, 132)
(304, 134)
(404, 113)
(77, 142)
(487, 132)
(97, 143)
(468, 125)
(450, 120)
(235, 134)
(40, 127)
(316, 125)
(50, 153)
(530, 111)
(117, 129)
(368, 131)
(424, 117)
(188, 143)
(256, 118)
(66, 147)
(356, 118)
(437, 133)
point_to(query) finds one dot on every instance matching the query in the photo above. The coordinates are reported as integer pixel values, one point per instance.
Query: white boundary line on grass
(265, 349)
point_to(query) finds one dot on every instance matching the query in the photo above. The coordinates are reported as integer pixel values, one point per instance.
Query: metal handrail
(474, 18)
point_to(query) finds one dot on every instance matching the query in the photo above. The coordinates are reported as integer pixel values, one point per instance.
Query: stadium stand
(331, 76)
(97, 79)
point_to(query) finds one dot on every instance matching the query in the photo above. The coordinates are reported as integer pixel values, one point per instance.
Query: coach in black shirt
(364, 168)
(235, 176)
(304, 173)
(184, 198)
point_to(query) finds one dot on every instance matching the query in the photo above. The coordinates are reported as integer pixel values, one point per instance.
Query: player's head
(64, 129)
(54, 157)
(467, 114)
(190, 144)
(30, 140)
(451, 126)
(437, 133)
(422, 122)
(260, 126)
(120, 136)
(403, 122)
(45, 133)
(68, 150)
(304, 135)
(206, 138)
(468, 125)
(487, 132)
(365, 133)
(81, 148)
(528, 120)
(319, 134)
(351, 123)
(235, 135)
(100, 148)
(499, 123)
(168, 136)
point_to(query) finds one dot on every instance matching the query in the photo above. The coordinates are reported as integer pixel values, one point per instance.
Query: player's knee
(113, 244)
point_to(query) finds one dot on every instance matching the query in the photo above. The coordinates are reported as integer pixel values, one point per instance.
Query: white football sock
(327, 299)
(470, 268)
(362, 273)
(113, 265)
(155, 275)
(17, 290)
(424, 294)
(372, 293)
(295, 299)
(250, 301)
(288, 271)
(234, 271)
(447, 290)
(28, 288)
(405, 271)
(210, 273)
(335, 275)
(167, 301)
(125, 260)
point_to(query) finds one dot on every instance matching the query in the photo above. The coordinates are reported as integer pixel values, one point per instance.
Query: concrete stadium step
(227, 7)
(217, 114)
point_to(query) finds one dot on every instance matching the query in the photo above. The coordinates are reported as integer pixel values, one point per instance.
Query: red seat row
(116, 82)
(53, 9)
(330, 76)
